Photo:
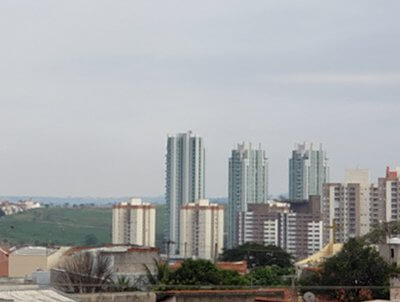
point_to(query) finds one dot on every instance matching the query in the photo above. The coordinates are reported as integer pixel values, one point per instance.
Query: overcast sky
(89, 90)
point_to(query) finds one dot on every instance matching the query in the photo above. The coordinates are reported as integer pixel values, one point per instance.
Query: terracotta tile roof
(239, 266)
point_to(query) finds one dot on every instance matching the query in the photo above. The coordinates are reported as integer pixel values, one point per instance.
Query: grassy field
(64, 226)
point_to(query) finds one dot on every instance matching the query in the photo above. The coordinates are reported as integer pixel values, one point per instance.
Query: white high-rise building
(248, 184)
(185, 180)
(308, 171)
(134, 222)
(202, 230)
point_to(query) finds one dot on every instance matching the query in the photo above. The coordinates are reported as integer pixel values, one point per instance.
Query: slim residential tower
(185, 180)
(248, 183)
(308, 171)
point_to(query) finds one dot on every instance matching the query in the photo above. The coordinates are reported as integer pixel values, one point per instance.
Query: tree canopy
(258, 255)
(203, 272)
(267, 276)
(358, 264)
(381, 231)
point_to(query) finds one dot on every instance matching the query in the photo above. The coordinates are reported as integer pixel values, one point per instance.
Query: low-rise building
(390, 251)
(26, 260)
(10, 208)
(130, 261)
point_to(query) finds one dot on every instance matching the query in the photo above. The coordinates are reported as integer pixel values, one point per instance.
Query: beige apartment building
(134, 222)
(355, 206)
(201, 230)
(347, 207)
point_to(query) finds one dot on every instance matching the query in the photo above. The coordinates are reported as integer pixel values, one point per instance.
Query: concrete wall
(24, 265)
(211, 299)
(55, 258)
(273, 295)
(116, 297)
(134, 262)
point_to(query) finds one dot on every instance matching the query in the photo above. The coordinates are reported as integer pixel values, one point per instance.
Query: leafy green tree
(232, 278)
(381, 231)
(196, 272)
(258, 255)
(357, 264)
(193, 273)
(267, 276)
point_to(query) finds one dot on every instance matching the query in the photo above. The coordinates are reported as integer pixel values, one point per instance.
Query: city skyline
(87, 102)
(339, 176)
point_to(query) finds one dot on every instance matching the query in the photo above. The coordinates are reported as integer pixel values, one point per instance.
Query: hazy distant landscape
(65, 226)
(98, 201)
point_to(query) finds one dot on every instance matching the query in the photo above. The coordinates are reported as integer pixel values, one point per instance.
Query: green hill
(64, 226)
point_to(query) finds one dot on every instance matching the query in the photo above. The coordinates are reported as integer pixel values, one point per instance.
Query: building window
(392, 253)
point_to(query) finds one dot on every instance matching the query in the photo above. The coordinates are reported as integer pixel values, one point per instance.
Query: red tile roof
(239, 266)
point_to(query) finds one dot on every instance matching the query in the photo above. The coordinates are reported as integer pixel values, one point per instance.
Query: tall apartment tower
(134, 222)
(185, 180)
(388, 206)
(202, 230)
(308, 171)
(347, 207)
(248, 184)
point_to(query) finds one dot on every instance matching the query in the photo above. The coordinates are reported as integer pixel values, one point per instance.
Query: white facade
(248, 184)
(202, 230)
(308, 171)
(134, 222)
(185, 179)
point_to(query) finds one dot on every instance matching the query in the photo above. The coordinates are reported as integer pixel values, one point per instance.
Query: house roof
(112, 249)
(239, 266)
(34, 295)
(329, 250)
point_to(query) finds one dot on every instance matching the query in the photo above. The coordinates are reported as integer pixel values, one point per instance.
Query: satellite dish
(309, 297)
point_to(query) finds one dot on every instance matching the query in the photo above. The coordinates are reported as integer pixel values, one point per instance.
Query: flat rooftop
(33, 251)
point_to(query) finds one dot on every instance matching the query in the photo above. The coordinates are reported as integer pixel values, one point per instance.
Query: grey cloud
(90, 89)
